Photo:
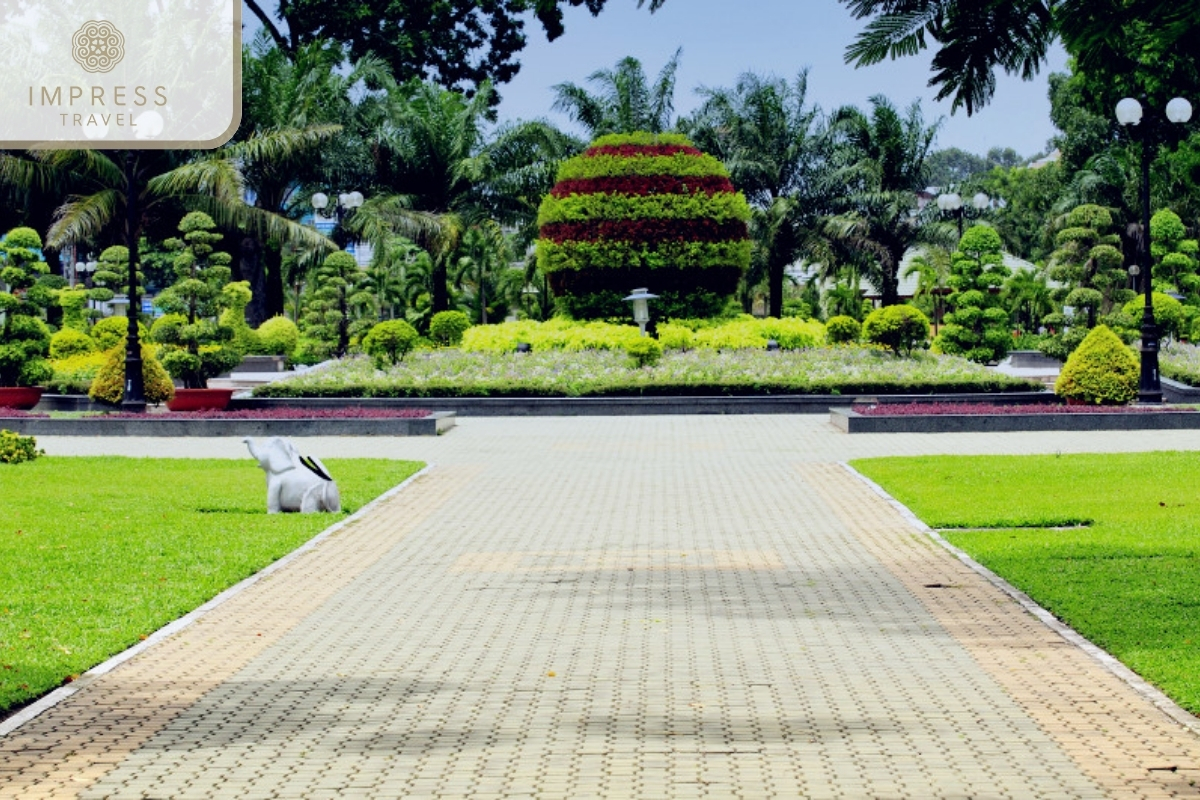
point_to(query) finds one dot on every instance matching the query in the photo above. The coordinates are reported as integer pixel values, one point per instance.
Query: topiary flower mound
(643, 210)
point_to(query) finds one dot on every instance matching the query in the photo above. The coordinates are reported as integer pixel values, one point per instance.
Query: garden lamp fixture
(86, 268)
(346, 202)
(951, 203)
(1130, 114)
(641, 307)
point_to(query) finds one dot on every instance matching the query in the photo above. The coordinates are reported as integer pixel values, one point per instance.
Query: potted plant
(24, 337)
(196, 347)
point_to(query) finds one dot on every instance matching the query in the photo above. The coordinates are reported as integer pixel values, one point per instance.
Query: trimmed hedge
(643, 210)
(1102, 370)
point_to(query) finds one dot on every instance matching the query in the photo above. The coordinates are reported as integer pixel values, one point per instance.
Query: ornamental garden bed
(278, 421)
(608, 373)
(943, 417)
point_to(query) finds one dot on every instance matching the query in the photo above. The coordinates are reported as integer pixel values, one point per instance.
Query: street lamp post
(346, 202)
(1129, 114)
(951, 203)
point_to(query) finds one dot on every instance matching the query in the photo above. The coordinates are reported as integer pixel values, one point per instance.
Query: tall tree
(1133, 46)
(625, 101)
(456, 43)
(775, 145)
(883, 165)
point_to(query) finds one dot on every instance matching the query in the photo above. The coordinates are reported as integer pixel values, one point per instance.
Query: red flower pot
(20, 397)
(200, 399)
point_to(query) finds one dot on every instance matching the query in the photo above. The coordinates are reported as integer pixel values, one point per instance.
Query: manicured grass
(1129, 581)
(96, 553)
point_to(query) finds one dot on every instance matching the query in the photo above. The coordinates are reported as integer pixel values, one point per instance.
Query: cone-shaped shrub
(1102, 370)
(646, 210)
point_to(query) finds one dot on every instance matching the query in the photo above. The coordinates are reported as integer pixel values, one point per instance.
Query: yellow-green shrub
(109, 384)
(278, 336)
(644, 351)
(70, 342)
(843, 329)
(1102, 370)
(674, 336)
(16, 449)
(74, 375)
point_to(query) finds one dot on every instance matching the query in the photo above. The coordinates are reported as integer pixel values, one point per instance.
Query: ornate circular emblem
(98, 46)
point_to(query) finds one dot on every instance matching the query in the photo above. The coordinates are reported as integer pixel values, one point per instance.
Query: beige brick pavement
(616, 607)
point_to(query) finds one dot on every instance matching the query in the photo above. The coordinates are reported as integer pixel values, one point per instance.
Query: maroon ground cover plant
(985, 409)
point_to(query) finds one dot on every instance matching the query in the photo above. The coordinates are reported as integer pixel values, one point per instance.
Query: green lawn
(1129, 580)
(96, 553)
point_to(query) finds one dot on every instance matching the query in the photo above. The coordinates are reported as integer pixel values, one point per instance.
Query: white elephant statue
(294, 482)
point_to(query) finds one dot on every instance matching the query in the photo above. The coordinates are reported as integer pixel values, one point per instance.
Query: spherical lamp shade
(344, 200)
(981, 201)
(1129, 111)
(355, 198)
(1179, 110)
(949, 202)
(320, 200)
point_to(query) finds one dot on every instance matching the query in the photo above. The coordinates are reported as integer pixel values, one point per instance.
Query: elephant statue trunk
(294, 482)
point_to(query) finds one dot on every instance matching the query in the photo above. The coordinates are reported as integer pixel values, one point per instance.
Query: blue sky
(723, 38)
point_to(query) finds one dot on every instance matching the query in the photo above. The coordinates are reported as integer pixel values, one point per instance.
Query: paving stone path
(651, 607)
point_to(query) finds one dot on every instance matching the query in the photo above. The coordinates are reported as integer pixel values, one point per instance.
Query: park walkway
(651, 607)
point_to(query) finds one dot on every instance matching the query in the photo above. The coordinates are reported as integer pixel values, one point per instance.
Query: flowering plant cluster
(561, 373)
(1180, 361)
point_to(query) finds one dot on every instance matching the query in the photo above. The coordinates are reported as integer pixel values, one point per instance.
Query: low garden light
(641, 307)
(1130, 115)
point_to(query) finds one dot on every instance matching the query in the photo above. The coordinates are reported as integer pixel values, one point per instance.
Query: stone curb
(433, 425)
(31, 711)
(850, 421)
(1100, 656)
(635, 406)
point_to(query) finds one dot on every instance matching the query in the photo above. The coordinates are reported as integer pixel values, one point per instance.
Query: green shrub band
(725, 207)
(556, 257)
(641, 185)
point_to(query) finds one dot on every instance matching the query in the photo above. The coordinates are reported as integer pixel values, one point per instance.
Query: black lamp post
(133, 399)
(1129, 114)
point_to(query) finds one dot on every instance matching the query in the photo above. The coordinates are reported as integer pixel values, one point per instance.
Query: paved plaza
(618, 607)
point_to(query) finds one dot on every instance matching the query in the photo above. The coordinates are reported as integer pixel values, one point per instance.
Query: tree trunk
(775, 287)
(272, 260)
(251, 266)
(439, 297)
(133, 397)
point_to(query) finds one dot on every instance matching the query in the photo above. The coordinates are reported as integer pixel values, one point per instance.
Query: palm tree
(1027, 296)
(626, 101)
(932, 268)
(775, 146)
(305, 92)
(883, 166)
(483, 270)
(443, 172)
(128, 190)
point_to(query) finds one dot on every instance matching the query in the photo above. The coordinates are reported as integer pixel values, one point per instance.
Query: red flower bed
(988, 409)
(354, 412)
(645, 231)
(5, 411)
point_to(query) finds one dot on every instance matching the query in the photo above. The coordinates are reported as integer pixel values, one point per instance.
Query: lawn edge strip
(45, 703)
(1147, 691)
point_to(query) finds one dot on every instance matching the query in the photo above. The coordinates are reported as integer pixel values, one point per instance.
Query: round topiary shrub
(842, 329)
(643, 210)
(278, 336)
(109, 384)
(1168, 313)
(389, 342)
(899, 328)
(447, 328)
(1102, 370)
(111, 331)
(17, 449)
(70, 342)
